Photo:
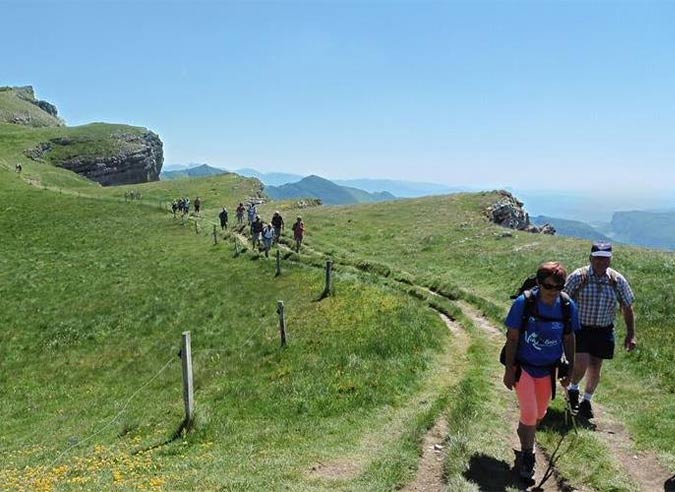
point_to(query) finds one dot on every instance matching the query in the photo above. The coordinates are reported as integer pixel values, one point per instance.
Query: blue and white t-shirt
(541, 340)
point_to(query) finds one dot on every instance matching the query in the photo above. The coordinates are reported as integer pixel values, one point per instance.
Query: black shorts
(596, 341)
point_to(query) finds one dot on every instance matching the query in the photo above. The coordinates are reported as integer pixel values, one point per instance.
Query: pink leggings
(534, 395)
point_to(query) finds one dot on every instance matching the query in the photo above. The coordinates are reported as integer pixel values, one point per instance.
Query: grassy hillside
(447, 244)
(193, 172)
(98, 290)
(96, 293)
(19, 106)
(95, 139)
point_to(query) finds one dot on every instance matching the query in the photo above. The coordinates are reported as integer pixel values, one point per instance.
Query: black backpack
(529, 284)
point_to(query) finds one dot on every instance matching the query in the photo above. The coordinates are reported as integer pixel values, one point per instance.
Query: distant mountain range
(641, 228)
(573, 228)
(650, 228)
(198, 171)
(327, 191)
(271, 179)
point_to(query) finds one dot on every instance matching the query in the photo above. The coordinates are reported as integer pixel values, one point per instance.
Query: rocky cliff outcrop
(121, 158)
(508, 212)
(19, 106)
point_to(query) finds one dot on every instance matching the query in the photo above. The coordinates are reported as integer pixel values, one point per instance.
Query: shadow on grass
(492, 474)
(179, 433)
(562, 422)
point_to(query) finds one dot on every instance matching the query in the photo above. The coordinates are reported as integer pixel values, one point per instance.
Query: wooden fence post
(188, 381)
(215, 235)
(282, 322)
(196, 227)
(329, 278)
(236, 246)
(278, 263)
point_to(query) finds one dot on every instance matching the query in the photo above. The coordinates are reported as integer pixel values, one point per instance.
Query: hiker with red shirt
(298, 232)
(541, 325)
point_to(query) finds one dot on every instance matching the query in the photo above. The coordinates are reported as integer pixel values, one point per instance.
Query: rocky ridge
(105, 153)
(138, 158)
(508, 212)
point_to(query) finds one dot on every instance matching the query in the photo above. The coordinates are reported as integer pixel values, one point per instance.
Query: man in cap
(278, 224)
(596, 289)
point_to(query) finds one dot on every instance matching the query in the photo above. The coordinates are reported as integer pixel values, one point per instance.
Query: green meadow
(96, 292)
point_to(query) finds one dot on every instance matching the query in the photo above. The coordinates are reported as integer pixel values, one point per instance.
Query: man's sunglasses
(552, 286)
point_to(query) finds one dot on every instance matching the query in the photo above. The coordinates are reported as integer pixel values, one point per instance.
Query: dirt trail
(430, 471)
(479, 319)
(642, 466)
(552, 484)
(429, 476)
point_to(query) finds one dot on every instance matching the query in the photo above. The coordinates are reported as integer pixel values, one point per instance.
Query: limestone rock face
(136, 158)
(508, 212)
(19, 106)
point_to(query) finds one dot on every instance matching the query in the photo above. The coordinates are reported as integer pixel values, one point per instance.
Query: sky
(538, 95)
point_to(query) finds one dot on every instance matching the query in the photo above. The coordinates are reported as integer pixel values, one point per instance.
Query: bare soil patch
(429, 476)
(643, 466)
(479, 319)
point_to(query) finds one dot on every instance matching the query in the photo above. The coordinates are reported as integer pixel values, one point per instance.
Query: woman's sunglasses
(548, 286)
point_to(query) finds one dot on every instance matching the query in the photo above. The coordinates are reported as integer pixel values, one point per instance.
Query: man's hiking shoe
(573, 396)
(524, 465)
(585, 410)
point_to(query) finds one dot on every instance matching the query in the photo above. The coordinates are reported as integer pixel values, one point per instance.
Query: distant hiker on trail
(252, 212)
(298, 233)
(223, 218)
(256, 232)
(597, 288)
(268, 238)
(541, 325)
(240, 213)
(278, 223)
(198, 205)
(186, 206)
(174, 207)
(18, 168)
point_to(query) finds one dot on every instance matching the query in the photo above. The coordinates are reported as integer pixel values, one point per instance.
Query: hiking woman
(298, 232)
(541, 326)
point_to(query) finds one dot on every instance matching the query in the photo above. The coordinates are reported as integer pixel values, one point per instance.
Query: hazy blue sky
(521, 94)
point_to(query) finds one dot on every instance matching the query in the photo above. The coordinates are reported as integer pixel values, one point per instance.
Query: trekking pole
(555, 455)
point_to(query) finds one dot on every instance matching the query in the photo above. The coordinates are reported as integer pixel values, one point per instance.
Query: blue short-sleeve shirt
(541, 341)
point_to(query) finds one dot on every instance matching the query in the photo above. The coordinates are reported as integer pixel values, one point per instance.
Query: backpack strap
(530, 309)
(566, 304)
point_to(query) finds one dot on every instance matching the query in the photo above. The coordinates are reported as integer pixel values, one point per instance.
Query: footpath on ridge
(642, 467)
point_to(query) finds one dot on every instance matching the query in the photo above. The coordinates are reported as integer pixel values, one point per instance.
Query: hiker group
(561, 326)
(182, 206)
(264, 234)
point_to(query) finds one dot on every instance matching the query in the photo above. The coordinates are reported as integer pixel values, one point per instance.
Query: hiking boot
(525, 464)
(585, 410)
(573, 396)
